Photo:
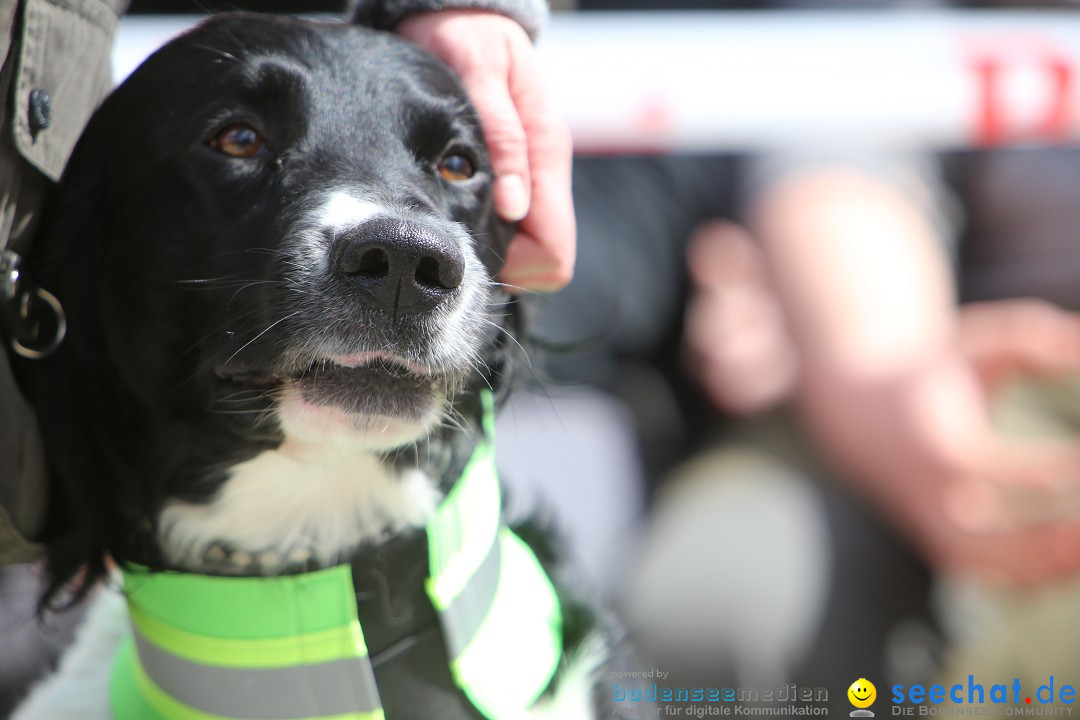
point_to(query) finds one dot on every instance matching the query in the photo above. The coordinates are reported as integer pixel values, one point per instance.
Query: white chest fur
(300, 500)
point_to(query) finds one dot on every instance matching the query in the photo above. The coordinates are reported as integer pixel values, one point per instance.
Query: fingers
(1017, 557)
(721, 252)
(506, 140)
(739, 351)
(1019, 336)
(965, 537)
(735, 339)
(1012, 521)
(1044, 465)
(541, 256)
(1015, 520)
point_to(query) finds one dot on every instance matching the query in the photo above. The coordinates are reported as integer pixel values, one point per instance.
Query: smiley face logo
(862, 693)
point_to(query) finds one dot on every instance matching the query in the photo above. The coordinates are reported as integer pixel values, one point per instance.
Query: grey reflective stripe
(329, 688)
(463, 617)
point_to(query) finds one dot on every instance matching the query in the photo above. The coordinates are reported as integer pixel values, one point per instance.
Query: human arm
(896, 386)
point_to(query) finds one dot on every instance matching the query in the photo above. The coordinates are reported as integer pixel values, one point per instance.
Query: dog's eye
(239, 141)
(456, 168)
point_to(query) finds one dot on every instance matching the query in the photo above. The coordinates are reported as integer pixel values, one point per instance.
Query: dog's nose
(401, 266)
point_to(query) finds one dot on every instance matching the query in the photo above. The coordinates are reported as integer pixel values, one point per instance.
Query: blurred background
(807, 413)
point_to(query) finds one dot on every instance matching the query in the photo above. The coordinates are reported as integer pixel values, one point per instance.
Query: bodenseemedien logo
(634, 696)
(862, 695)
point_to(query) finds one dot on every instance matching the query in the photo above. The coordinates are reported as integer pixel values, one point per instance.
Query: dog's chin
(318, 418)
(369, 400)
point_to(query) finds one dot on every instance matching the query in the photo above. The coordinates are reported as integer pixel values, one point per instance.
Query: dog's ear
(83, 409)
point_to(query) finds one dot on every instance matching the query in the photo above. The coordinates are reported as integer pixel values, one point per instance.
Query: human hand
(528, 142)
(735, 341)
(923, 449)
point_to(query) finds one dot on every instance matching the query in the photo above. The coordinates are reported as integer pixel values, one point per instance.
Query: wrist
(531, 15)
(929, 419)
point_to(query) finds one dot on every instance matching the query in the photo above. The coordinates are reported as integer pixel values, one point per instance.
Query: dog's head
(273, 230)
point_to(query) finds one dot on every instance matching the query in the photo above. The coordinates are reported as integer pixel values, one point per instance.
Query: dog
(276, 247)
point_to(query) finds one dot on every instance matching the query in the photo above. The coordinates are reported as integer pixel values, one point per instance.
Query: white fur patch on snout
(339, 211)
(343, 210)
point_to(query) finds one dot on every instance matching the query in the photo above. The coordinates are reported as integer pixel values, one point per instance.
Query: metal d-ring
(61, 325)
(15, 290)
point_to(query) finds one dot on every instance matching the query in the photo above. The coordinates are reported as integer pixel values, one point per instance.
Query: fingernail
(511, 198)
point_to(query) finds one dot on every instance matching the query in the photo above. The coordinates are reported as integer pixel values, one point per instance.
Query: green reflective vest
(292, 648)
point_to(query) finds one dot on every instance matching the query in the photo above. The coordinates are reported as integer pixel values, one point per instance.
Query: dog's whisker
(503, 330)
(476, 361)
(210, 361)
(269, 251)
(519, 288)
(249, 285)
(221, 53)
(238, 412)
(480, 373)
(449, 420)
(268, 329)
(205, 281)
(235, 320)
(241, 400)
(246, 396)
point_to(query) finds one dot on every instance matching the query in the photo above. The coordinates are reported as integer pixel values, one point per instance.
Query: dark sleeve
(385, 14)
(626, 299)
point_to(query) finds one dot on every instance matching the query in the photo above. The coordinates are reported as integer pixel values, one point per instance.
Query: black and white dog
(276, 247)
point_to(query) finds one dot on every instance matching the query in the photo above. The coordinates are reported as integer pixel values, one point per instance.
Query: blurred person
(847, 307)
(963, 516)
(851, 312)
(888, 386)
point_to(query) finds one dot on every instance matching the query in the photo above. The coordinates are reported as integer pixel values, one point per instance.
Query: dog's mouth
(368, 383)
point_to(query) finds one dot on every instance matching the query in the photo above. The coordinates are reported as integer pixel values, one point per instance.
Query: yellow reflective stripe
(463, 529)
(174, 710)
(525, 623)
(303, 648)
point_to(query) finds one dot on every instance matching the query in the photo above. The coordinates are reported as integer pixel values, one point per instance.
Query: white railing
(738, 80)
